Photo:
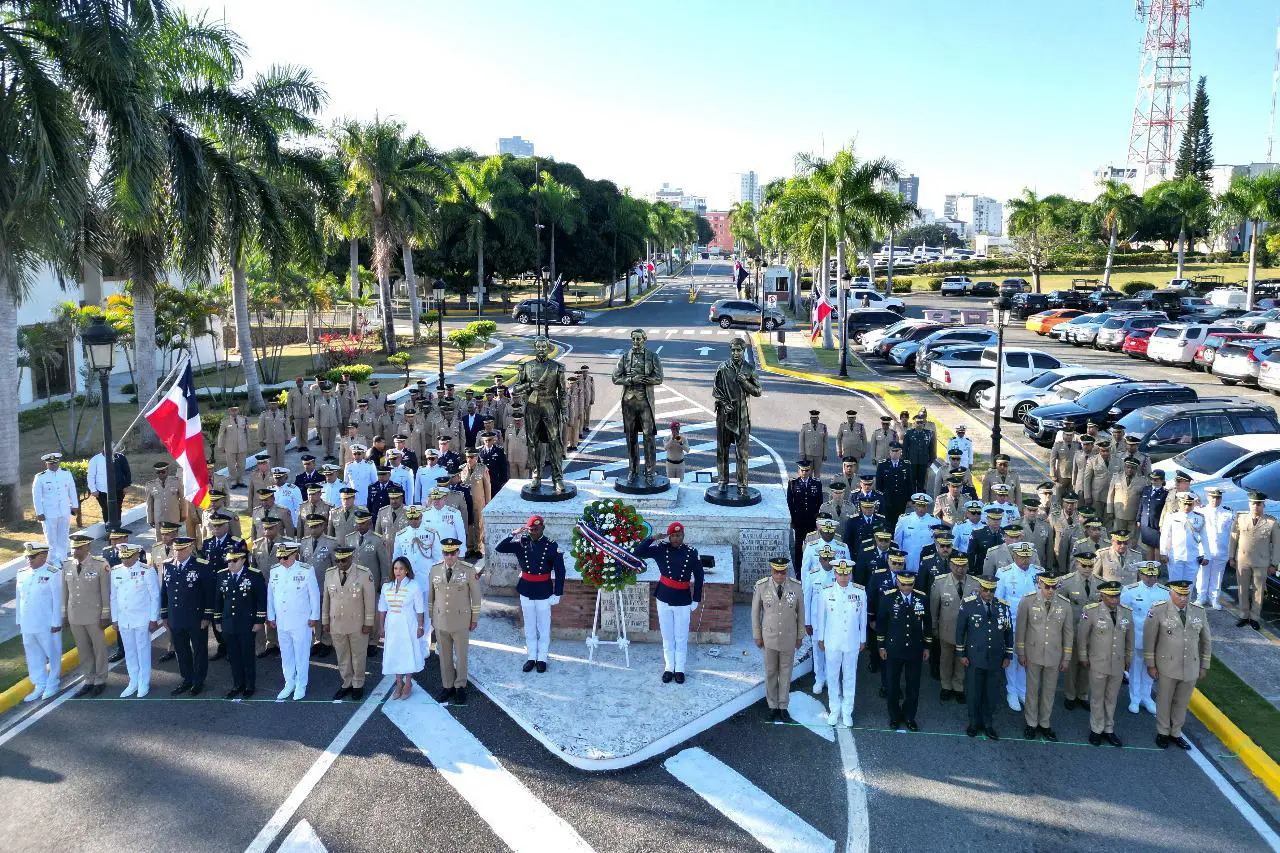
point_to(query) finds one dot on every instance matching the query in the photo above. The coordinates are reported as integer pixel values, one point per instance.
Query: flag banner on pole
(823, 311)
(742, 275)
(176, 420)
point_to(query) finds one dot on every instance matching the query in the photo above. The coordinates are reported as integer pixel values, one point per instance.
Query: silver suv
(730, 312)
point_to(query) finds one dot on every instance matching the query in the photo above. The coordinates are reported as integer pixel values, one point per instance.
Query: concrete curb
(70, 660)
(1260, 764)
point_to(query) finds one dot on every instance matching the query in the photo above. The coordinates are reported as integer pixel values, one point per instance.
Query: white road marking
(858, 830)
(703, 351)
(685, 429)
(734, 796)
(1233, 796)
(302, 839)
(512, 811)
(810, 713)
(317, 770)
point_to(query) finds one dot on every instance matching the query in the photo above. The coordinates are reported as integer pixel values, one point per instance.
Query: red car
(1203, 358)
(1135, 343)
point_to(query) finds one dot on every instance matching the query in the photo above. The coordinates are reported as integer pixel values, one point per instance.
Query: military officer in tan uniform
(1116, 562)
(813, 442)
(1081, 586)
(1078, 465)
(946, 594)
(1104, 646)
(881, 439)
(1067, 526)
(573, 431)
(232, 444)
(328, 415)
(1045, 636)
(1095, 485)
(1131, 443)
(273, 431)
(674, 450)
(1176, 648)
(374, 553)
(391, 518)
(453, 605)
(517, 447)
(1255, 552)
(1035, 528)
(298, 402)
(851, 438)
(267, 507)
(1124, 493)
(836, 506)
(348, 605)
(165, 500)
(1000, 473)
(588, 385)
(365, 419)
(777, 625)
(218, 503)
(1062, 459)
(475, 474)
(86, 599)
(342, 519)
(260, 478)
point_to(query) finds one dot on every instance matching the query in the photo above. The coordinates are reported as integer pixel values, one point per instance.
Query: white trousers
(44, 660)
(137, 655)
(674, 622)
(819, 664)
(1183, 570)
(295, 655)
(840, 693)
(537, 627)
(1209, 580)
(1140, 683)
(426, 633)
(56, 531)
(1015, 679)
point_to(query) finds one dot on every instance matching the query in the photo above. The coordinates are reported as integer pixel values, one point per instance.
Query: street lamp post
(437, 293)
(1002, 306)
(99, 341)
(843, 320)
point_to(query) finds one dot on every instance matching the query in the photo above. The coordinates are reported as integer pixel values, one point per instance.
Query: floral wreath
(602, 544)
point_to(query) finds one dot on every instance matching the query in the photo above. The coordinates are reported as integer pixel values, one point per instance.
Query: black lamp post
(841, 317)
(1002, 306)
(99, 341)
(437, 293)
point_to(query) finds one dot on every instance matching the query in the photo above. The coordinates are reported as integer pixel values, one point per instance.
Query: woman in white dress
(403, 626)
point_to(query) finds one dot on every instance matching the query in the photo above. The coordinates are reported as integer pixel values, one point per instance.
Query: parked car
(951, 353)
(1239, 361)
(1011, 286)
(1112, 333)
(1168, 429)
(956, 285)
(1059, 331)
(863, 321)
(912, 333)
(871, 340)
(1100, 300)
(1135, 343)
(1207, 351)
(856, 296)
(1214, 315)
(1104, 406)
(984, 288)
(1269, 373)
(969, 381)
(1219, 458)
(1256, 321)
(1080, 330)
(730, 312)
(1044, 321)
(907, 350)
(1167, 300)
(1175, 343)
(1071, 298)
(1126, 305)
(1018, 398)
(1023, 305)
(526, 311)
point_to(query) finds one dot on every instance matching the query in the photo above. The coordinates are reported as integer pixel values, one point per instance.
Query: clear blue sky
(982, 97)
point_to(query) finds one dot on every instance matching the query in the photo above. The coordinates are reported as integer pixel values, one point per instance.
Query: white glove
(555, 599)
(695, 608)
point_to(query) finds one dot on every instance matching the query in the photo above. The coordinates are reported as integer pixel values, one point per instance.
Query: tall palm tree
(559, 209)
(1191, 203)
(1116, 208)
(625, 219)
(1256, 201)
(1036, 230)
(479, 189)
(344, 223)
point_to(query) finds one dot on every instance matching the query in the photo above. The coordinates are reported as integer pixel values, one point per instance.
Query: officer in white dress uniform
(53, 495)
(135, 608)
(812, 583)
(418, 544)
(444, 520)
(915, 530)
(1013, 583)
(1140, 597)
(288, 495)
(293, 609)
(361, 474)
(840, 633)
(1182, 540)
(39, 616)
(826, 537)
(1218, 524)
(964, 444)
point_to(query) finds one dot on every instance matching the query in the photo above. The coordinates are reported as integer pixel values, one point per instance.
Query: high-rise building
(515, 146)
(719, 220)
(749, 188)
(981, 214)
(677, 198)
(909, 189)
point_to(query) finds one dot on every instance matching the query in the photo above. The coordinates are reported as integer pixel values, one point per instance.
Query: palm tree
(624, 218)
(343, 222)
(1191, 203)
(559, 209)
(1036, 230)
(478, 188)
(1117, 208)
(1256, 201)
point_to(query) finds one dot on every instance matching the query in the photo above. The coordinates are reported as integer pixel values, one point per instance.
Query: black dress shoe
(1049, 735)
(960, 697)
(1163, 741)
(99, 689)
(343, 693)
(992, 734)
(679, 678)
(248, 691)
(971, 731)
(1112, 739)
(945, 695)
(460, 696)
(1253, 623)
(528, 666)
(1095, 739)
(1069, 704)
(1240, 623)
(319, 650)
(894, 724)
(445, 695)
(912, 726)
(116, 656)
(775, 714)
(167, 656)
(667, 676)
(542, 666)
(180, 689)
(357, 693)
(373, 651)
(84, 691)
(219, 654)
(196, 689)
(785, 717)
(1029, 732)
(233, 692)
(1181, 742)
(1083, 704)
(268, 652)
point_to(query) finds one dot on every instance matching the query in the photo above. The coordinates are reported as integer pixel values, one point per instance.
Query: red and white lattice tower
(1164, 88)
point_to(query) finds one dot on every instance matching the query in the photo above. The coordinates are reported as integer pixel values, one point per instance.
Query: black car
(1100, 300)
(1104, 406)
(861, 322)
(1025, 304)
(984, 288)
(1078, 299)
(527, 312)
(1169, 429)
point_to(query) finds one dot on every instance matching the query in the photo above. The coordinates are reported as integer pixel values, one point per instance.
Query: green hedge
(1129, 288)
(354, 372)
(1079, 261)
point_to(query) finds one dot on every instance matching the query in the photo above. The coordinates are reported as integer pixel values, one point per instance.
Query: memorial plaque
(755, 548)
(635, 602)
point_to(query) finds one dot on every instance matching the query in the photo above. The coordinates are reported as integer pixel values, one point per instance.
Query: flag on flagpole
(821, 313)
(176, 419)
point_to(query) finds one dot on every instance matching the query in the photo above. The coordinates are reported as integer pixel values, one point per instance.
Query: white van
(1174, 343)
(1228, 297)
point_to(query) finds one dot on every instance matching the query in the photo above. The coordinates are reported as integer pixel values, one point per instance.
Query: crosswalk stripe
(733, 795)
(512, 811)
(685, 429)
(661, 417)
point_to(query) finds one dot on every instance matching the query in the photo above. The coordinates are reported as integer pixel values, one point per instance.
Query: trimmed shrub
(354, 372)
(1129, 288)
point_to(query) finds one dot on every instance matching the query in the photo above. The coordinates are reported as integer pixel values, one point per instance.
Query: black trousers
(902, 705)
(191, 645)
(802, 527)
(919, 474)
(982, 690)
(241, 648)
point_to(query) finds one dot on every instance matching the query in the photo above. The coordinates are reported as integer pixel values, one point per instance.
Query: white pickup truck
(968, 380)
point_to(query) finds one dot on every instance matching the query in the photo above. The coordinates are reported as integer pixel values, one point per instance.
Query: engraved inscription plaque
(755, 547)
(635, 601)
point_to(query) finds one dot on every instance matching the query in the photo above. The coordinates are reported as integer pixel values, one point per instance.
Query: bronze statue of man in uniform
(542, 384)
(735, 383)
(638, 371)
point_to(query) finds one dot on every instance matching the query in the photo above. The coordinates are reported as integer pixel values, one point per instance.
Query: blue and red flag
(176, 420)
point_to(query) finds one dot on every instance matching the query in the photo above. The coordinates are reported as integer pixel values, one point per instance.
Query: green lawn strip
(770, 352)
(827, 358)
(13, 661)
(1255, 716)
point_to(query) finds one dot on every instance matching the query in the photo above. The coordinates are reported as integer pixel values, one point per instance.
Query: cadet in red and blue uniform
(186, 608)
(540, 586)
(240, 607)
(804, 499)
(679, 592)
(904, 629)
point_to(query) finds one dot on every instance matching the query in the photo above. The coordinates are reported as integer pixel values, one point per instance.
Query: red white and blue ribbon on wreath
(611, 549)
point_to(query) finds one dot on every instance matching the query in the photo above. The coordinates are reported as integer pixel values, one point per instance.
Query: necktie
(1088, 588)
(1113, 617)
(343, 578)
(960, 588)
(1182, 614)
(777, 588)
(448, 573)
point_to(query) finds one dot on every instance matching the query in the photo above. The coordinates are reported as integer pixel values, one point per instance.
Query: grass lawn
(296, 360)
(1257, 717)
(13, 662)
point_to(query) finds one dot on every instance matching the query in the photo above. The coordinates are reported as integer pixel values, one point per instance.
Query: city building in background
(719, 220)
(515, 146)
(980, 214)
(750, 189)
(909, 189)
(681, 200)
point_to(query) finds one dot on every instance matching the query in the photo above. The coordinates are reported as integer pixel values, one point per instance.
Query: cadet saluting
(540, 586)
(984, 644)
(680, 568)
(777, 624)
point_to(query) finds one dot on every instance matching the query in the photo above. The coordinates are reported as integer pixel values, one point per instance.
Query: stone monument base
(638, 485)
(546, 493)
(732, 496)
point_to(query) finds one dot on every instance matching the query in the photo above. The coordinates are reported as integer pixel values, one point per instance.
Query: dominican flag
(822, 312)
(741, 274)
(176, 420)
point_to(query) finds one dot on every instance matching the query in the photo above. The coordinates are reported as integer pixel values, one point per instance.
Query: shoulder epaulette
(1132, 585)
(1002, 601)
(1063, 597)
(202, 560)
(858, 586)
(255, 570)
(1067, 575)
(1158, 603)
(1165, 587)
(1029, 594)
(1195, 605)
(1093, 604)
(762, 580)
(971, 597)
(224, 571)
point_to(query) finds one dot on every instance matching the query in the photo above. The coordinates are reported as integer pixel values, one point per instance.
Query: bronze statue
(638, 372)
(735, 383)
(542, 384)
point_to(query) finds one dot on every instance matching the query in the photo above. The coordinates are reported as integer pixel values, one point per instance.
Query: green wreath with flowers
(603, 540)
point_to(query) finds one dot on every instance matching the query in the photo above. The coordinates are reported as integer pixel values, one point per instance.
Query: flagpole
(161, 388)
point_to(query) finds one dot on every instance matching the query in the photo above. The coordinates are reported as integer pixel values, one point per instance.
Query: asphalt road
(206, 774)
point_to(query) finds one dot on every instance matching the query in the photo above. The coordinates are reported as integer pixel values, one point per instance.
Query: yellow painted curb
(70, 660)
(1259, 763)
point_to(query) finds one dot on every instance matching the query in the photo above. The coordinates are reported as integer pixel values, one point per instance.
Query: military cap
(842, 567)
(363, 514)
(342, 552)
(1046, 486)
(955, 451)
(1119, 536)
(986, 582)
(1180, 587)
(78, 539)
(1213, 491)
(1110, 587)
(1257, 497)
(994, 512)
(395, 489)
(1087, 439)
(450, 545)
(219, 519)
(804, 464)
(827, 524)
(905, 578)
(436, 494)
(960, 559)
(779, 564)
(413, 511)
(268, 493)
(1000, 488)
(1093, 523)
(813, 413)
(1050, 580)
(1102, 443)
(270, 521)
(897, 558)
(216, 494)
(920, 499)
(1031, 501)
(1150, 568)
(114, 532)
(867, 478)
(867, 503)
(1188, 498)
(168, 526)
(883, 534)
(128, 549)
(1023, 549)
(286, 549)
(183, 541)
(1084, 558)
(838, 486)
(31, 548)
(262, 457)
(973, 506)
(314, 519)
(307, 457)
(894, 445)
(942, 537)
(1014, 530)
(314, 487)
(1002, 457)
(53, 456)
